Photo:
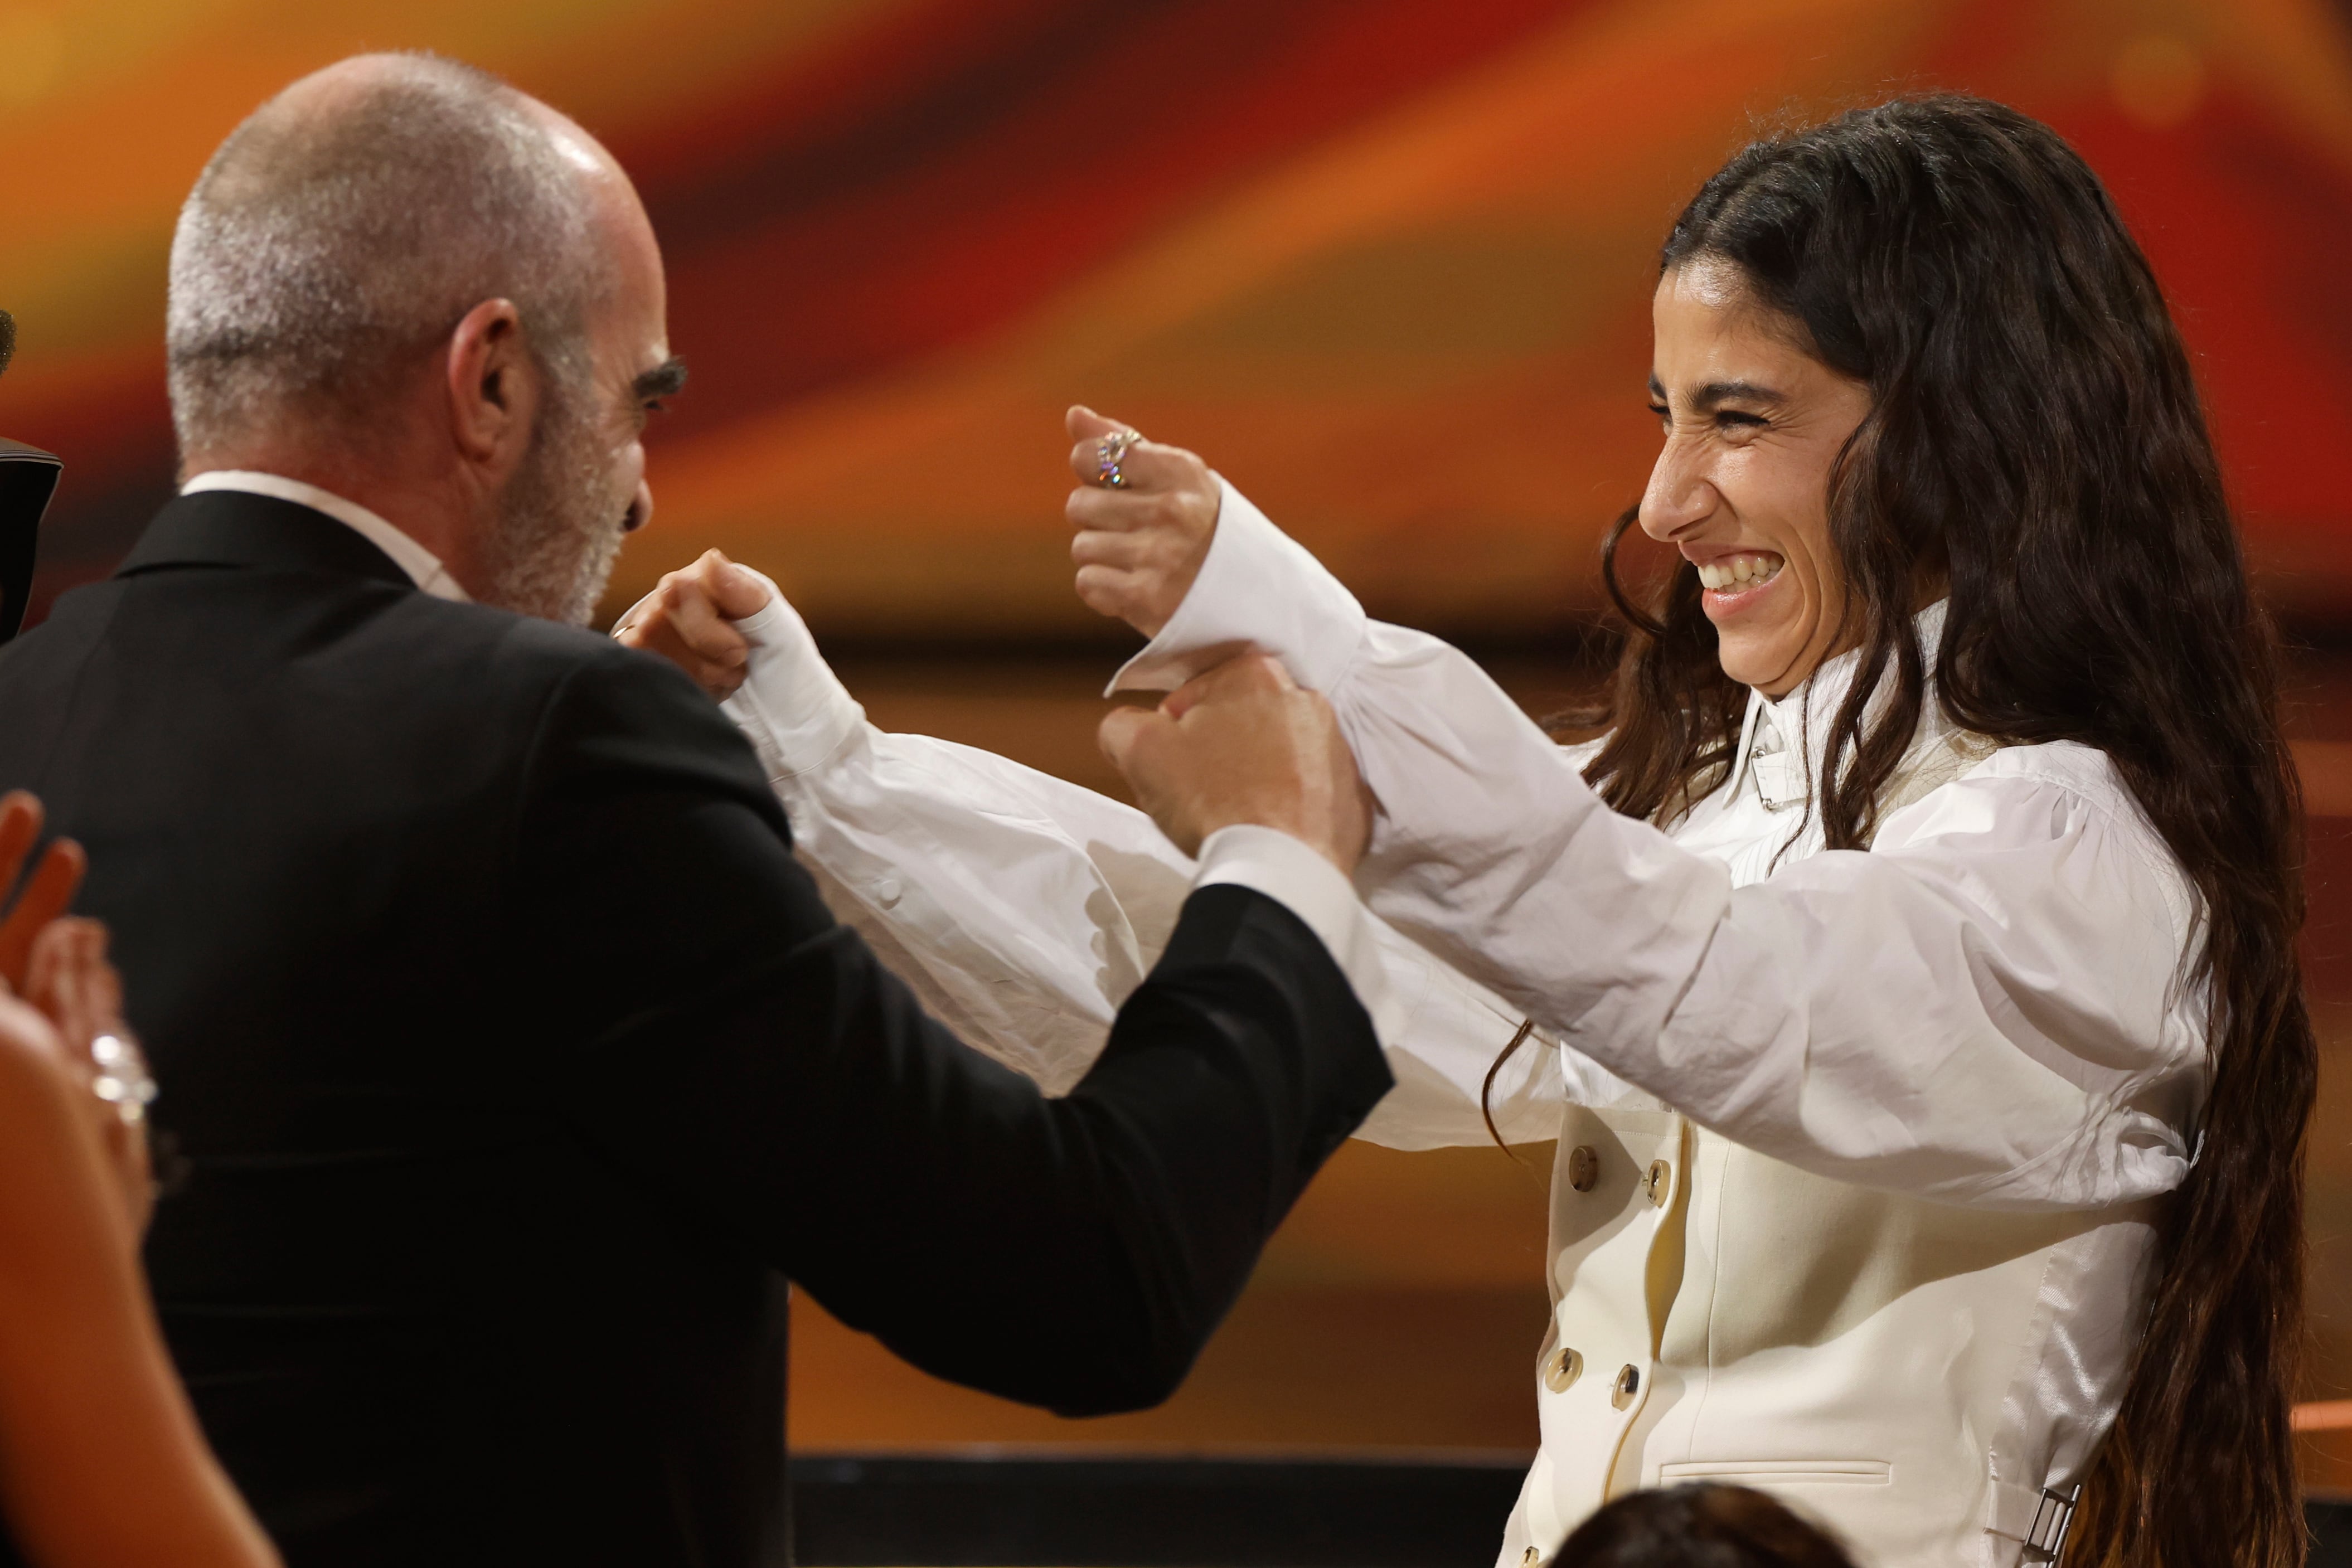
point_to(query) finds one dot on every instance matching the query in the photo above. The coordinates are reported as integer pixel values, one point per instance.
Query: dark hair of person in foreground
(1705, 1524)
(2036, 450)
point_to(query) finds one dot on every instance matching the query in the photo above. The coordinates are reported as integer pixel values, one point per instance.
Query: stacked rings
(124, 1080)
(1109, 453)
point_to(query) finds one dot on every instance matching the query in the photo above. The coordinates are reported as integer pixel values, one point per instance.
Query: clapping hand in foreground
(61, 1004)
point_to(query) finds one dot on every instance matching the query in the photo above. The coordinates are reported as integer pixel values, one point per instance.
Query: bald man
(516, 1062)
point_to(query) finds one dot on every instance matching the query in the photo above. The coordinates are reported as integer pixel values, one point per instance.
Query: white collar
(1803, 718)
(423, 567)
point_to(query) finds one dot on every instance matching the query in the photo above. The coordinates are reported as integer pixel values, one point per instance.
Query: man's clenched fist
(1243, 743)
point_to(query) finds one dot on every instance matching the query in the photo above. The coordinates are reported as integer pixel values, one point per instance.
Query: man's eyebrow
(665, 379)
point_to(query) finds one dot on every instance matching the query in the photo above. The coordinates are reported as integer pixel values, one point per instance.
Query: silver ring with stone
(1109, 453)
(124, 1080)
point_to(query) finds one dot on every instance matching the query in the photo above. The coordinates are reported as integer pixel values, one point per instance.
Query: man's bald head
(352, 220)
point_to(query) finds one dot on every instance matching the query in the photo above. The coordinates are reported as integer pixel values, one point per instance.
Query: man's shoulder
(408, 658)
(573, 686)
(605, 707)
(539, 654)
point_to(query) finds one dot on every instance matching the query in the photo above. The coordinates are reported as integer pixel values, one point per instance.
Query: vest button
(1660, 1184)
(1561, 1368)
(1583, 1167)
(1628, 1383)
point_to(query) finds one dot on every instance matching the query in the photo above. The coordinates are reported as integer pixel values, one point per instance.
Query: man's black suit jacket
(518, 1065)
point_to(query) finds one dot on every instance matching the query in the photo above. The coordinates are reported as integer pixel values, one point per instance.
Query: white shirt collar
(1801, 720)
(423, 567)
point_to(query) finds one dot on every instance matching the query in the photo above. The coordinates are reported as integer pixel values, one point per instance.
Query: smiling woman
(1909, 959)
(1754, 424)
(1926, 408)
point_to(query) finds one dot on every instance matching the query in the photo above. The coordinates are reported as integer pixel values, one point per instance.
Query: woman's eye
(1663, 413)
(1726, 418)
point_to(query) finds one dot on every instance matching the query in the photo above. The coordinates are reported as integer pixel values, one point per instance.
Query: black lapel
(235, 527)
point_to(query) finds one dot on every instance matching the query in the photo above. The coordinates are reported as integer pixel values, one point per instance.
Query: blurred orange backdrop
(1384, 261)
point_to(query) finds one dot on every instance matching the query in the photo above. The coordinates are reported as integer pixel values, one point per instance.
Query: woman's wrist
(790, 706)
(1256, 588)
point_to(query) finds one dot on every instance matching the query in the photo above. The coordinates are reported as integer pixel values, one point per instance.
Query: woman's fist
(1137, 547)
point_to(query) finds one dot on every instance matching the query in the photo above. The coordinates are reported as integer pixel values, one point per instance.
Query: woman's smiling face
(1753, 426)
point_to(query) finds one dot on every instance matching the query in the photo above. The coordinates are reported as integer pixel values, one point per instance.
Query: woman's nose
(1679, 493)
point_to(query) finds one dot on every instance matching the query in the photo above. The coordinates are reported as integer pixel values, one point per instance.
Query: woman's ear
(493, 387)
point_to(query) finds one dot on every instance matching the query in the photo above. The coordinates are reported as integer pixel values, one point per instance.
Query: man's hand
(1137, 547)
(686, 621)
(1243, 743)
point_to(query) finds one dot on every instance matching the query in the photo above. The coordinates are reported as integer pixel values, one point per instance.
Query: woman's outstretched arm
(1985, 1009)
(1024, 909)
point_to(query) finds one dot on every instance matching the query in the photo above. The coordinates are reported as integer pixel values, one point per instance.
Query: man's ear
(493, 385)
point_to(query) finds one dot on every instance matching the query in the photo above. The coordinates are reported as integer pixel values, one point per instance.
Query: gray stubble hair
(320, 252)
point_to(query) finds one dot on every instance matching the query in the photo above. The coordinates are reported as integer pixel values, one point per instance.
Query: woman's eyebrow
(1715, 393)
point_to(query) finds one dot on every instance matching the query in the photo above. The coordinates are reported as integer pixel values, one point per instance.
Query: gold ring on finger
(1109, 453)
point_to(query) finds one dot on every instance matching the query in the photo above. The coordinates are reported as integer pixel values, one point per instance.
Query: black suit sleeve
(753, 1059)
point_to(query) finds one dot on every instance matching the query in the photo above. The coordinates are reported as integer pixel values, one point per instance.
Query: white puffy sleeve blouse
(1024, 908)
(1987, 1007)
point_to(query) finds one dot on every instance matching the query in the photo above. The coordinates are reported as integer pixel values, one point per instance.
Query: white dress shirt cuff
(1311, 887)
(793, 708)
(1258, 587)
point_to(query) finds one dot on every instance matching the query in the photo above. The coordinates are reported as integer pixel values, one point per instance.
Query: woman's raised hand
(1143, 517)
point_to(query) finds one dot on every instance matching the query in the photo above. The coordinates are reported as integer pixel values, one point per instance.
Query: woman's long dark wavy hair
(2036, 443)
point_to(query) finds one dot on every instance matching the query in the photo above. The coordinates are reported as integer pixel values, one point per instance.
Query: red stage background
(1385, 261)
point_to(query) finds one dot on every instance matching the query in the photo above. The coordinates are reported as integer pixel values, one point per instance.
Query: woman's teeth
(1734, 572)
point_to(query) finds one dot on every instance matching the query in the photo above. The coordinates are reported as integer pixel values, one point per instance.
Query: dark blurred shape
(1703, 1525)
(871, 1511)
(984, 1509)
(28, 477)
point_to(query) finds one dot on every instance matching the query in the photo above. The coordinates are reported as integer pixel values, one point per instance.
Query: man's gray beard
(559, 523)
